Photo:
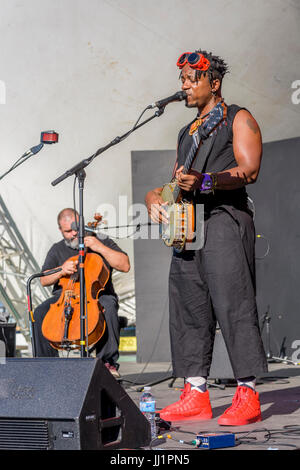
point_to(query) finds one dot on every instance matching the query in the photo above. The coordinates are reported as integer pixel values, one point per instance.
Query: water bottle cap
(146, 389)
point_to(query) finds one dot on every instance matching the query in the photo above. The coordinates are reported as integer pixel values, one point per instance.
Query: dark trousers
(107, 347)
(216, 284)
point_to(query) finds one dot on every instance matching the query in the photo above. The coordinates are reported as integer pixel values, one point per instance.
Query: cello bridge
(70, 294)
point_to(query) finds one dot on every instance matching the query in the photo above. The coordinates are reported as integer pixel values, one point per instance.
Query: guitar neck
(176, 193)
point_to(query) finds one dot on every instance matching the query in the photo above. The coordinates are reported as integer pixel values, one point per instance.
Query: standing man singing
(216, 283)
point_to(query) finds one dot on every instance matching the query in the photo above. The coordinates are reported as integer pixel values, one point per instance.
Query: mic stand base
(269, 355)
(29, 303)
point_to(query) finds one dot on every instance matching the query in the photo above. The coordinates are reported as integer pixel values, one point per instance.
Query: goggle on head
(195, 60)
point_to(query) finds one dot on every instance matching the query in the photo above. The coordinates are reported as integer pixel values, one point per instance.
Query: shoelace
(185, 391)
(238, 397)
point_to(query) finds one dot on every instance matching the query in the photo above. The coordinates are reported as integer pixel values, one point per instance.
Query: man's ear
(216, 85)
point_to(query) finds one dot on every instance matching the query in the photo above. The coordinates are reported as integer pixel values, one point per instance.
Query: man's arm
(116, 259)
(67, 268)
(247, 148)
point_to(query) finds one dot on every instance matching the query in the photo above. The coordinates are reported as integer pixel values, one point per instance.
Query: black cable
(289, 431)
(162, 439)
(120, 139)
(21, 160)
(292, 432)
(279, 380)
(259, 236)
(140, 117)
(153, 349)
(74, 203)
(138, 226)
(268, 247)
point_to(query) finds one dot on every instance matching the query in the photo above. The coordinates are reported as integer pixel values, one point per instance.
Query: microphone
(35, 149)
(75, 227)
(179, 96)
(47, 137)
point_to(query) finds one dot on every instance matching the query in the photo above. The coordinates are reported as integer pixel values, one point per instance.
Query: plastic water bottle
(147, 407)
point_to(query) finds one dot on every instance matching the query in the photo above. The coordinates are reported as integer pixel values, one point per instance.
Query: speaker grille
(24, 434)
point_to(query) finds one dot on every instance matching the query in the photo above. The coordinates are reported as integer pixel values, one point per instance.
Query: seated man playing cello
(107, 348)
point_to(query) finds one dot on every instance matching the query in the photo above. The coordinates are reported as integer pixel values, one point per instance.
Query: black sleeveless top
(215, 155)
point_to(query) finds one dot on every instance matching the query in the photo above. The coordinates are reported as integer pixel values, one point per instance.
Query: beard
(72, 243)
(190, 105)
(187, 105)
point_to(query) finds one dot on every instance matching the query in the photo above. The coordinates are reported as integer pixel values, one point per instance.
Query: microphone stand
(81, 175)
(269, 355)
(79, 172)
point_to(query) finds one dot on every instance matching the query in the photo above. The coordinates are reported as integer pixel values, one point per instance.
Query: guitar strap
(201, 132)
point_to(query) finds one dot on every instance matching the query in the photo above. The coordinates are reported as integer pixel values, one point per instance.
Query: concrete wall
(87, 68)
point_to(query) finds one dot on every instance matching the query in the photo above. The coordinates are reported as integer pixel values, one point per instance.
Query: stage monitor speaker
(66, 404)
(220, 365)
(7, 339)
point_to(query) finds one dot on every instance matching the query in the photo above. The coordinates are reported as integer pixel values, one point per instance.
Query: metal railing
(17, 264)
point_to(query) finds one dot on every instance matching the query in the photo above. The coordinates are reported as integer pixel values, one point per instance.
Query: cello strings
(67, 300)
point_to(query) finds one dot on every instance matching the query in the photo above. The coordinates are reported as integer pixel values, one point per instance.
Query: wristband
(209, 182)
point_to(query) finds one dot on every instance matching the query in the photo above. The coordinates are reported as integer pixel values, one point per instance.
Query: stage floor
(279, 392)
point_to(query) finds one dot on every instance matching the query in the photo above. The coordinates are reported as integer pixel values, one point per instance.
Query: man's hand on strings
(69, 267)
(156, 206)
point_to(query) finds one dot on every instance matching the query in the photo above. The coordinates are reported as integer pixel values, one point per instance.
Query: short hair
(67, 212)
(218, 67)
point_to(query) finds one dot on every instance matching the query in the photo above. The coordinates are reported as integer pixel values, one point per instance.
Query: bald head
(66, 213)
(65, 219)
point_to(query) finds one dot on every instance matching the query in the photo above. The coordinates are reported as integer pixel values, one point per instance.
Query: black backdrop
(276, 201)
(276, 197)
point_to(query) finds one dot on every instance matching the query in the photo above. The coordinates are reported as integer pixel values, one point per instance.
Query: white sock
(247, 382)
(197, 383)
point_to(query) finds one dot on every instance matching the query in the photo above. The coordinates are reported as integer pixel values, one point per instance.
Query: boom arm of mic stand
(29, 300)
(84, 163)
(79, 171)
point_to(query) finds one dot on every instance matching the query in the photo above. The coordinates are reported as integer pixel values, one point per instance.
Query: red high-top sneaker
(192, 405)
(245, 408)
(185, 390)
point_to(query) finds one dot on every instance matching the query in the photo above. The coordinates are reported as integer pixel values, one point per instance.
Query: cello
(61, 325)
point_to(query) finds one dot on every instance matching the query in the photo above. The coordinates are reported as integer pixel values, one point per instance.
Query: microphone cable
(120, 139)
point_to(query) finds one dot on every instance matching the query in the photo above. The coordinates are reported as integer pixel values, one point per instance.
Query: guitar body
(181, 226)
